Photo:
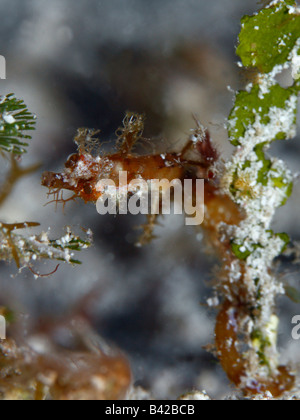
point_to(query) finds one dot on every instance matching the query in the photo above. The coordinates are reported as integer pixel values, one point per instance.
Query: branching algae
(16, 122)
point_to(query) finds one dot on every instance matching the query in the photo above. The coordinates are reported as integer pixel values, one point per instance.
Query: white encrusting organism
(8, 118)
(260, 185)
(295, 60)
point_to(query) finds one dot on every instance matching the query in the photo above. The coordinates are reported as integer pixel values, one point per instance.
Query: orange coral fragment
(60, 374)
(235, 366)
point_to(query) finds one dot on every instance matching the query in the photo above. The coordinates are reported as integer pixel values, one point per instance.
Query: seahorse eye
(72, 161)
(88, 189)
(51, 180)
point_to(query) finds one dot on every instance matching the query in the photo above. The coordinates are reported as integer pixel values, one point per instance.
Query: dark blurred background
(84, 64)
